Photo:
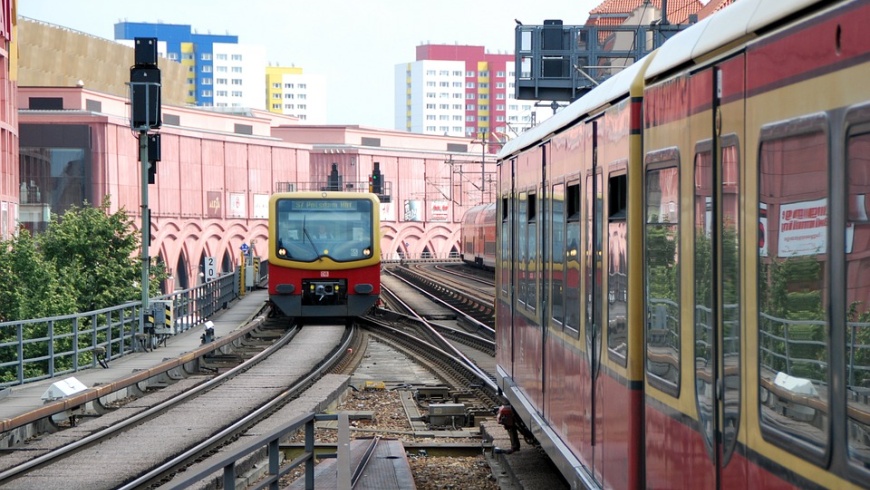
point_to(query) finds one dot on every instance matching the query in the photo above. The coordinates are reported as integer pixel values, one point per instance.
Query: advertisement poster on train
(439, 211)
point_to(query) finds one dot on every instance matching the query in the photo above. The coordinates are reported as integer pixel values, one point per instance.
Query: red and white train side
(477, 236)
(683, 260)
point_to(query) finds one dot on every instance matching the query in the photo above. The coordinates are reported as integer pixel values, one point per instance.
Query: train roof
(728, 25)
(615, 87)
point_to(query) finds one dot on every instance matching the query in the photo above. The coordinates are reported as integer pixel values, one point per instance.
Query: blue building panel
(174, 35)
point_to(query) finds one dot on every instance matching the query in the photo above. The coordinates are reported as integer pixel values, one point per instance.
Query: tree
(95, 253)
(30, 286)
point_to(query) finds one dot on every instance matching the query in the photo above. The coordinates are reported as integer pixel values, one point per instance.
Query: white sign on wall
(210, 269)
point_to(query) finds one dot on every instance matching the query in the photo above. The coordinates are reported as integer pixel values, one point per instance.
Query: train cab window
(661, 270)
(533, 268)
(617, 280)
(793, 301)
(857, 349)
(557, 254)
(572, 258)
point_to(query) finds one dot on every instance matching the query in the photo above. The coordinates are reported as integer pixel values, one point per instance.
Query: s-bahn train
(683, 263)
(325, 256)
(477, 236)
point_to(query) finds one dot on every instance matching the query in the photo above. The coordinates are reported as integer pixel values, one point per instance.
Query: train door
(593, 307)
(716, 244)
(505, 268)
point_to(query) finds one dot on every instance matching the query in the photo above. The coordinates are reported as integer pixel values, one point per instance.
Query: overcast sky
(355, 45)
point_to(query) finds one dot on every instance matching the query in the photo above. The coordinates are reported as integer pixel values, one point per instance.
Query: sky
(355, 45)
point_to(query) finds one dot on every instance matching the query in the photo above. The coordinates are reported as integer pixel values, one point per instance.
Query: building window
(499, 96)
(276, 106)
(288, 96)
(237, 57)
(469, 74)
(206, 81)
(301, 96)
(276, 85)
(237, 93)
(484, 96)
(500, 74)
(484, 74)
(288, 85)
(206, 68)
(221, 93)
(469, 96)
(222, 56)
(430, 95)
(499, 84)
(469, 85)
(173, 56)
(303, 86)
(483, 108)
(469, 119)
(430, 106)
(221, 69)
(430, 83)
(276, 96)
(430, 73)
(302, 106)
(186, 56)
(444, 73)
(237, 81)
(237, 69)
(470, 107)
(205, 57)
(457, 84)
(430, 117)
(206, 93)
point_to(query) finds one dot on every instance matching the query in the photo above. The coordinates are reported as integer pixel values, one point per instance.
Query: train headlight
(282, 252)
(336, 288)
(311, 287)
(367, 251)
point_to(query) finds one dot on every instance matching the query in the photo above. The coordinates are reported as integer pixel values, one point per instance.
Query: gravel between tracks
(430, 473)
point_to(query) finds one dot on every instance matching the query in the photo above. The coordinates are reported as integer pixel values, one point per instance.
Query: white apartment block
(443, 97)
(297, 94)
(237, 79)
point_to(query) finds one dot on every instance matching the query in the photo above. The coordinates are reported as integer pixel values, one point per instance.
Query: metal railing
(43, 348)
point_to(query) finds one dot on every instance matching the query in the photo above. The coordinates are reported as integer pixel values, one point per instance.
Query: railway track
(150, 446)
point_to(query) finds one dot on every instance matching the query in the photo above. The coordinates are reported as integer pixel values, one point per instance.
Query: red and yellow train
(325, 257)
(683, 260)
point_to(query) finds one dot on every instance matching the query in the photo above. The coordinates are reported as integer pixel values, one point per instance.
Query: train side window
(557, 254)
(522, 249)
(617, 279)
(533, 267)
(506, 246)
(661, 270)
(793, 301)
(572, 258)
(857, 348)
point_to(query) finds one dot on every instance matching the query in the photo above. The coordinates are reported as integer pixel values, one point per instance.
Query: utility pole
(144, 116)
(483, 142)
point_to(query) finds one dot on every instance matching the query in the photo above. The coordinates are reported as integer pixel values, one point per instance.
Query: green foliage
(86, 260)
(30, 286)
(94, 253)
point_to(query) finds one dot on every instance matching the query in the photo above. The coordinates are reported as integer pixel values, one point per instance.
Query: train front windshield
(311, 229)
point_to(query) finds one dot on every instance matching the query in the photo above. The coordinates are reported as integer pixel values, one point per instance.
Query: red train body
(477, 236)
(325, 254)
(682, 287)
